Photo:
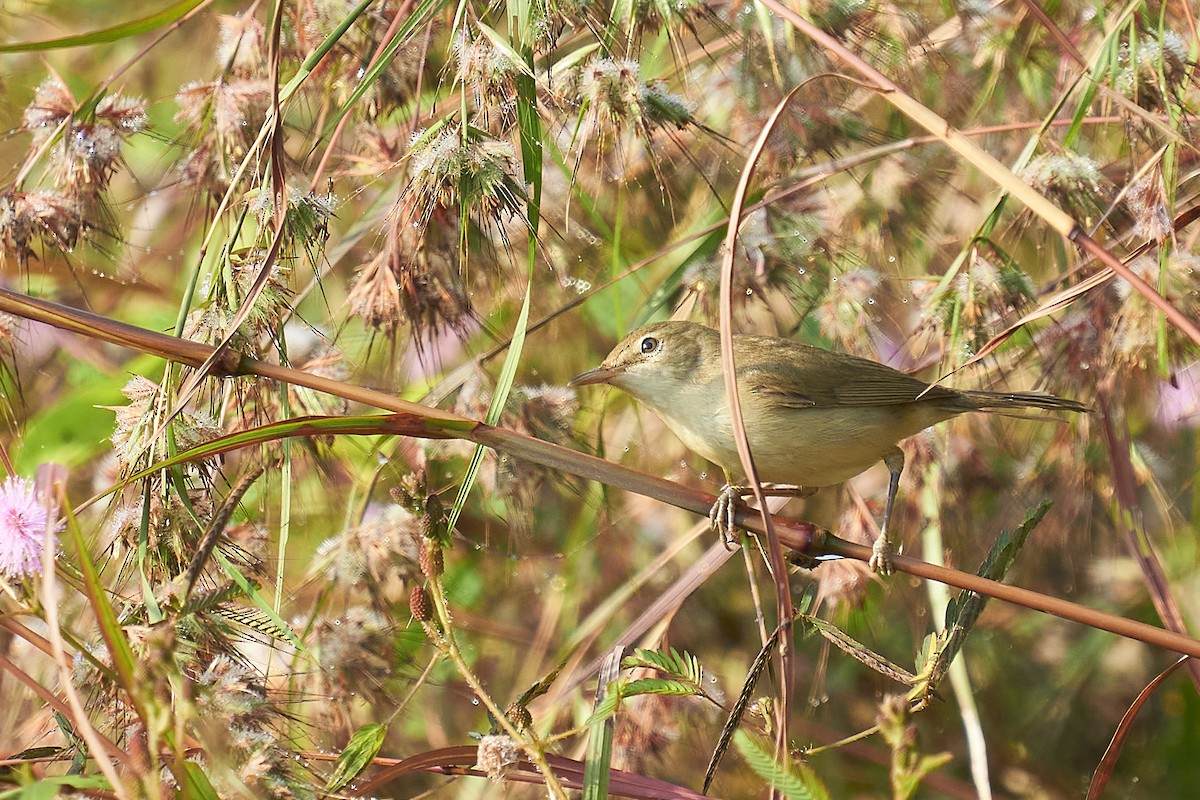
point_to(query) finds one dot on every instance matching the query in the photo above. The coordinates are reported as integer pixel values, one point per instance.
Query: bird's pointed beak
(600, 374)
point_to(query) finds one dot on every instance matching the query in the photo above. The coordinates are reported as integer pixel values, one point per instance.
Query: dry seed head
(475, 172)
(1156, 67)
(236, 107)
(611, 90)
(547, 412)
(126, 115)
(1073, 181)
(52, 104)
(490, 74)
(519, 716)
(241, 45)
(375, 298)
(850, 307)
(1146, 201)
(420, 604)
(136, 421)
(229, 689)
(354, 642)
(1063, 173)
(1134, 335)
(193, 427)
(82, 164)
(52, 218)
(431, 559)
(496, 756)
(410, 281)
(339, 562)
(984, 293)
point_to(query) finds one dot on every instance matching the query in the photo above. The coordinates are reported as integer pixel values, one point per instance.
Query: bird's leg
(720, 517)
(883, 549)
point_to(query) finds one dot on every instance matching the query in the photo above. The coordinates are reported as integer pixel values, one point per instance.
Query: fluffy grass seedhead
(1073, 181)
(1155, 70)
(468, 173)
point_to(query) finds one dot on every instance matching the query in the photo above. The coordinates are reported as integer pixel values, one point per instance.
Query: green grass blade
(531, 158)
(123, 661)
(363, 746)
(113, 34)
(315, 56)
(420, 15)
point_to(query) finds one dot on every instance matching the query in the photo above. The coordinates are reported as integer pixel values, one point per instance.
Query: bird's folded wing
(808, 377)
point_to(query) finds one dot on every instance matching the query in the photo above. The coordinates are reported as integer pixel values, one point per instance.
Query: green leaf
(198, 785)
(609, 704)
(113, 34)
(797, 782)
(684, 666)
(123, 661)
(504, 47)
(599, 747)
(362, 748)
(1003, 553)
(50, 788)
(965, 610)
(660, 686)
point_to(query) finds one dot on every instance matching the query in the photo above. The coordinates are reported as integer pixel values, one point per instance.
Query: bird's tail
(999, 401)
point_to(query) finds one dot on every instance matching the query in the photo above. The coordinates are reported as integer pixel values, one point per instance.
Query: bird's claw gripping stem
(720, 516)
(881, 555)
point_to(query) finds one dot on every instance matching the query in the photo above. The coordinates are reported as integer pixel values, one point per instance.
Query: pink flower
(22, 529)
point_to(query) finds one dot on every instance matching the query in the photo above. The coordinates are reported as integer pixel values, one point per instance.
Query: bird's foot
(881, 555)
(720, 516)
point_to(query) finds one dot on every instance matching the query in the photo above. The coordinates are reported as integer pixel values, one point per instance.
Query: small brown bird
(813, 417)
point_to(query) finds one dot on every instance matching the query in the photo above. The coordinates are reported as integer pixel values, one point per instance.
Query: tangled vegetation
(224, 573)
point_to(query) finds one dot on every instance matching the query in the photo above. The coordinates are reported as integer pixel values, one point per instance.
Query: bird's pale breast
(802, 446)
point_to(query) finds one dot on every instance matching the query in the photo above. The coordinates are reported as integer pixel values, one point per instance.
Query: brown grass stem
(412, 419)
(1054, 216)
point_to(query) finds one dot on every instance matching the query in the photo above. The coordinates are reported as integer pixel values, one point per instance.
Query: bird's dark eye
(649, 345)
